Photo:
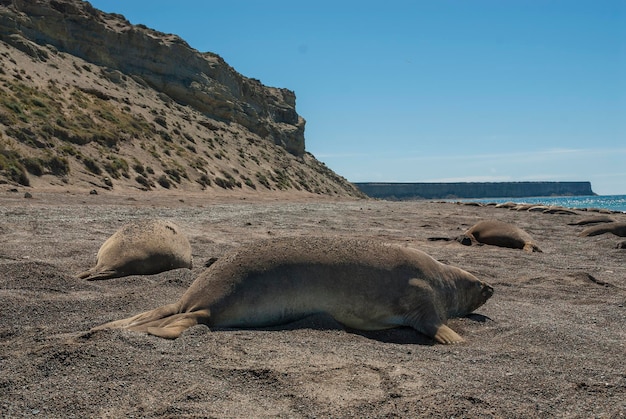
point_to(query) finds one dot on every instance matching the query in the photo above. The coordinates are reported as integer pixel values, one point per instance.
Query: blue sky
(431, 91)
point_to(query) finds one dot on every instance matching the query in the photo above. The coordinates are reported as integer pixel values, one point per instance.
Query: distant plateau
(410, 191)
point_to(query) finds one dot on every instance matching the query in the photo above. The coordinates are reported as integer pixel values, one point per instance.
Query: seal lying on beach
(144, 247)
(362, 284)
(595, 219)
(619, 229)
(498, 233)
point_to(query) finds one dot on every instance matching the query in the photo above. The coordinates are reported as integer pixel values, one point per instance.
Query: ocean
(610, 202)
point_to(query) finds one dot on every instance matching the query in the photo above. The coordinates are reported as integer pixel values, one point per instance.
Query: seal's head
(467, 294)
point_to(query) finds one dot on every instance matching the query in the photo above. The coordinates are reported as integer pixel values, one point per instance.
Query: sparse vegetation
(33, 166)
(11, 167)
(18, 174)
(92, 166)
(58, 166)
(229, 182)
(248, 182)
(161, 121)
(142, 180)
(116, 166)
(110, 123)
(281, 179)
(164, 182)
(204, 180)
(263, 180)
(138, 167)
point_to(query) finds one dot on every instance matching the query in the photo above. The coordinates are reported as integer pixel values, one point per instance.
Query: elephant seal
(560, 211)
(594, 219)
(144, 247)
(498, 233)
(619, 229)
(507, 205)
(362, 284)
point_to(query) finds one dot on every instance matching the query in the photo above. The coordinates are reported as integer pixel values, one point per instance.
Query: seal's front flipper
(447, 336)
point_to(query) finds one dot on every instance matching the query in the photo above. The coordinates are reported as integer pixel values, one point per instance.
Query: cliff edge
(164, 62)
(89, 100)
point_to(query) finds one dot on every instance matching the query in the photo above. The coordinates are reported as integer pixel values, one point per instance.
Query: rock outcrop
(164, 62)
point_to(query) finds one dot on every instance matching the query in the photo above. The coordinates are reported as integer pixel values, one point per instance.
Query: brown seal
(594, 219)
(362, 284)
(144, 247)
(619, 229)
(498, 233)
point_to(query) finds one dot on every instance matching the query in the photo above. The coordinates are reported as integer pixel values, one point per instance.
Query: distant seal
(362, 284)
(560, 211)
(619, 229)
(594, 219)
(141, 248)
(537, 208)
(508, 205)
(498, 233)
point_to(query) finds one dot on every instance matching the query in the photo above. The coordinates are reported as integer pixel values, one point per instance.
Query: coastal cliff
(405, 191)
(164, 62)
(88, 99)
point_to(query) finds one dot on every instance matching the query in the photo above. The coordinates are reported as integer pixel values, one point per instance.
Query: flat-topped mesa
(454, 190)
(164, 62)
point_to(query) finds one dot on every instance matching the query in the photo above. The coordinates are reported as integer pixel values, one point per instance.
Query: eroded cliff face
(163, 62)
(88, 100)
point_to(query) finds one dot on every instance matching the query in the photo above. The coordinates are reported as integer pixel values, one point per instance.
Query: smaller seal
(498, 233)
(619, 229)
(594, 219)
(145, 247)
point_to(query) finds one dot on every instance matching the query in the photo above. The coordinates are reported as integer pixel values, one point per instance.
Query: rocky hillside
(89, 100)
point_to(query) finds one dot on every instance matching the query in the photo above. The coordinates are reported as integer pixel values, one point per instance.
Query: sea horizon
(607, 202)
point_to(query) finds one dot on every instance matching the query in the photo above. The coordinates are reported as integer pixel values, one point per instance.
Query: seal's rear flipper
(93, 275)
(173, 327)
(165, 322)
(141, 322)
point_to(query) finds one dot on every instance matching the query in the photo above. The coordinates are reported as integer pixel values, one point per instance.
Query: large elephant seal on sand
(619, 229)
(498, 233)
(363, 284)
(144, 247)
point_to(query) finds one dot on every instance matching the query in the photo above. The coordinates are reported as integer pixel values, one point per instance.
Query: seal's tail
(166, 322)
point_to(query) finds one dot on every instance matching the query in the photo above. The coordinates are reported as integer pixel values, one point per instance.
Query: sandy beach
(551, 342)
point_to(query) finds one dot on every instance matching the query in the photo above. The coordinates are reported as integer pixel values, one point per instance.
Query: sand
(549, 343)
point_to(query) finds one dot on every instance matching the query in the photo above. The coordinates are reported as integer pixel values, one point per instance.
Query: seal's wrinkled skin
(144, 247)
(498, 233)
(363, 284)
